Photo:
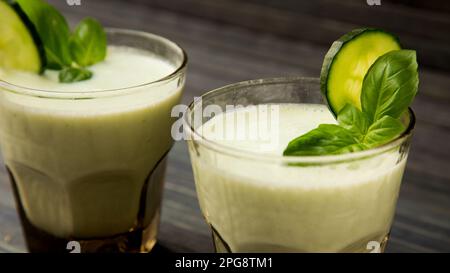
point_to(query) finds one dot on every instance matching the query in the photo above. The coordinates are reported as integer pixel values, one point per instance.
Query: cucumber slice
(20, 46)
(348, 61)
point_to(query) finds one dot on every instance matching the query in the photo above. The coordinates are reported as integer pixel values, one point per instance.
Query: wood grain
(230, 41)
(323, 21)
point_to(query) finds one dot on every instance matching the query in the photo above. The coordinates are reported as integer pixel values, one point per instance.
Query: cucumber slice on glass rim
(347, 62)
(20, 45)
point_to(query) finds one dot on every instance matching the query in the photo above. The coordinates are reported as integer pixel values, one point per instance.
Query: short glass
(266, 203)
(87, 167)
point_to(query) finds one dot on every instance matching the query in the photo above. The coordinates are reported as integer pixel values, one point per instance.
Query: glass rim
(109, 30)
(305, 159)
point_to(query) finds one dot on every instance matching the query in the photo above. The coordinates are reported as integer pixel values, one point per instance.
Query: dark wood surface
(233, 40)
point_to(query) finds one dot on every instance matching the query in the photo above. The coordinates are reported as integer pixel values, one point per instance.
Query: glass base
(138, 240)
(141, 238)
(362, 246)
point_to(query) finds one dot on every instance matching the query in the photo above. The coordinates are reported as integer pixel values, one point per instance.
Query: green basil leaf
(325, 139)
(352, 148)
(383, 131)
(53, 31)
(390, 85)
(74, 74)
(88, 42)
(352, 119)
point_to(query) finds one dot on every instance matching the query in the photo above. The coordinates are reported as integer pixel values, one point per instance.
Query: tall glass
(88, 167)
(256, 202)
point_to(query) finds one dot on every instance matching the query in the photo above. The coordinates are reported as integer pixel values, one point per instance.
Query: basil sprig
(388, 89)
(68, 52)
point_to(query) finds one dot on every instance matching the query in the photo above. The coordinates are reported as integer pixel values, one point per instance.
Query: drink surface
(124, 67)
(268, 206)
(292, 120)
(80, 165)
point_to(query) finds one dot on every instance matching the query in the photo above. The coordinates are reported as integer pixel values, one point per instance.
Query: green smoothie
(80, 154)
(258, 206)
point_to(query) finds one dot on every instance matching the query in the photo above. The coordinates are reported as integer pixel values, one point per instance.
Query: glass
(89, 166)
(266, 203)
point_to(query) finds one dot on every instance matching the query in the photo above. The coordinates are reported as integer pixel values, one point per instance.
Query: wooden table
(224, 50)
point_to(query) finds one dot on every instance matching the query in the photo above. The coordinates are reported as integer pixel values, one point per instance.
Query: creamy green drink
(91, 157)
(257, 206)
(85, 130)
(306, 164)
